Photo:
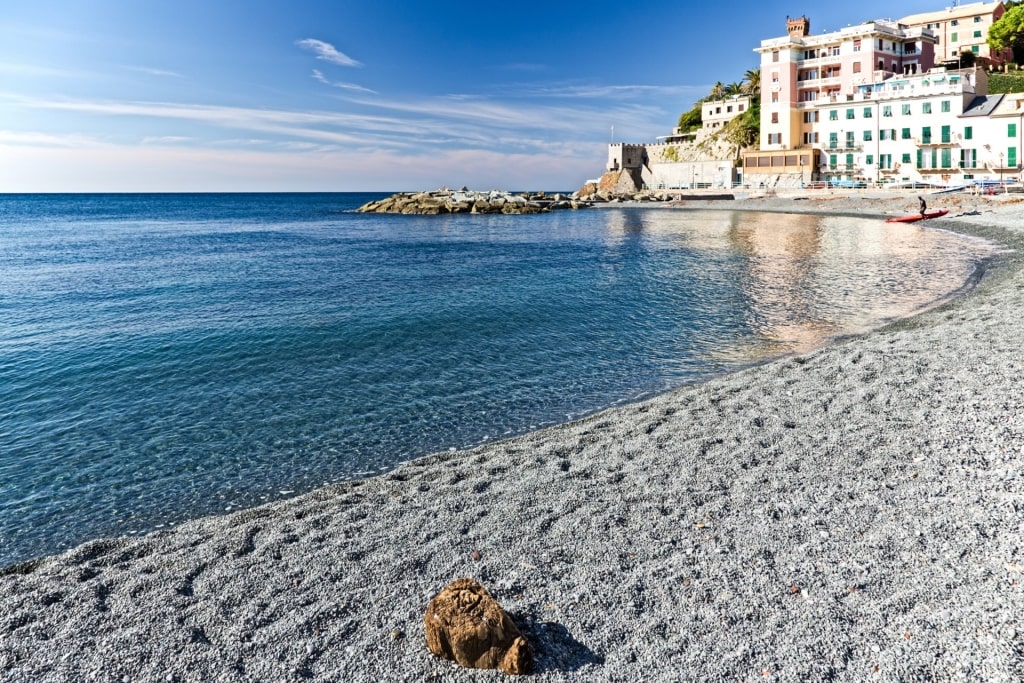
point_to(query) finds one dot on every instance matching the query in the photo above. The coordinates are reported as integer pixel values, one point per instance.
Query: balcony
(951, 141)
(844, 147)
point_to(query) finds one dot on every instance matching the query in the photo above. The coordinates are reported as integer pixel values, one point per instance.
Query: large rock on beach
(464, 623)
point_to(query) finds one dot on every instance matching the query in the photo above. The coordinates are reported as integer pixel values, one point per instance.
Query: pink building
(800, 71)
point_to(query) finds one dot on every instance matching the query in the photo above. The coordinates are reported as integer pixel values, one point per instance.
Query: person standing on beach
(923, 205)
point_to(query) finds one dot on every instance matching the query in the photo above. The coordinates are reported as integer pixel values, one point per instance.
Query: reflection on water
(807, 279)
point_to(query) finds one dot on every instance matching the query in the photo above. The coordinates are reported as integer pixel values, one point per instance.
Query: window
(856, 48)
(946, 137)
(884, 134)
(885, 161)
(849, 113)
(867, 136)
(953, 23)
(952, 37)
(905, 134)
(856, 67)
(1011, 130)
(833, 115)
(728, 109)
(775, 56)
(718, 110)
(926, 135)
(906, 158)
(975, 49)
(833, 140)
(775, 117)
(906, 110)
(881, 64)
(774, 138)
(977, 20)
(832, 161)
(740, 108)
(849, 161)
(867, 112)
(945, 106)
(1011, 157)
(968, 132)
(977, 34)
(869, 159)
(969, 158)
(850, 138)
(775, 97)
(947, 158)
(926, 107)
(887, 110)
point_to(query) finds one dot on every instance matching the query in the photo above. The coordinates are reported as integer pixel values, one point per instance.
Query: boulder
(464, 623)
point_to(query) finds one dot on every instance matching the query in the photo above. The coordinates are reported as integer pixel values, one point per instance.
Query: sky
(357, 95)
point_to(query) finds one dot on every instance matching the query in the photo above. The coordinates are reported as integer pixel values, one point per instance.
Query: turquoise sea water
(168, 356)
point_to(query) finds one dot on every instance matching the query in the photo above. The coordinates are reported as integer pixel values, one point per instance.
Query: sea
(169, 356)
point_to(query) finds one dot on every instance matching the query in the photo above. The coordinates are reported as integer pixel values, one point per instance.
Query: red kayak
(913, 218)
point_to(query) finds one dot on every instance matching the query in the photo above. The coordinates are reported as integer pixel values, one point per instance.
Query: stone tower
(798, 27)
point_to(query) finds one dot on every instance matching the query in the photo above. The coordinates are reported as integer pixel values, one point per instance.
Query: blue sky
(319, 95)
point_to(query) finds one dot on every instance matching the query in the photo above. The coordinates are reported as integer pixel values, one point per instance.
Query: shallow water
(168, 356)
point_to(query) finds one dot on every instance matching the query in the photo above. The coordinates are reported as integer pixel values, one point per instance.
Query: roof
(982, 105)
(973, 9)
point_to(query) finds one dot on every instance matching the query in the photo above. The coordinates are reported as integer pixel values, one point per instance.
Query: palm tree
(732, 89)
(716, 91)
(752, 82)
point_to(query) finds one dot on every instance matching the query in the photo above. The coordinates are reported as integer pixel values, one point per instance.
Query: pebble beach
(854, 513)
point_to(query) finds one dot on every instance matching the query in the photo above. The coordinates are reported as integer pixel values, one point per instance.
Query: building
(801, 71)
(924, 127)
(826, 117)
(962, 29)
(698, 159)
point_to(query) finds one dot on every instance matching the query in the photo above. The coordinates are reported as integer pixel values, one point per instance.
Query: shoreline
(850, 513)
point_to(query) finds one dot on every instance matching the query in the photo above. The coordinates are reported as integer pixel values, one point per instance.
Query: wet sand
(853, 513)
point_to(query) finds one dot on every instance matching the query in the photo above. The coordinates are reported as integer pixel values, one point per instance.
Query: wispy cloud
(9, 137)
(163, 73)
(327, 52)
(165, 140)
(317, 75)
(616, 91)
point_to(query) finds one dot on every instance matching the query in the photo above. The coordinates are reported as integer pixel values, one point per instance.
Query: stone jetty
(467, 201)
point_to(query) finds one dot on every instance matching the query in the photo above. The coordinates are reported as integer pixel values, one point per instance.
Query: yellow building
(962, 29)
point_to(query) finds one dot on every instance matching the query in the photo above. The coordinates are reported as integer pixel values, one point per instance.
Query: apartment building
(801, 71)
(961, 29)
(930, 127)
(903, 121)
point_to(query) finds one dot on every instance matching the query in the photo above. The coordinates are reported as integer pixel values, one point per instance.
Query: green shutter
(945, 133)
(968, 133)
(1011, 130)
(947, 158)
(1011, 157)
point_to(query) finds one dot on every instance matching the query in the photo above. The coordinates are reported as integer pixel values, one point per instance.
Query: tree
(732, 89)
(744, 130)
(717, 90)
(1008, 32)
(691, 120)
(752, 82)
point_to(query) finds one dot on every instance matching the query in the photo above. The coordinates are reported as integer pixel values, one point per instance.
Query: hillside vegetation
(1012, 81)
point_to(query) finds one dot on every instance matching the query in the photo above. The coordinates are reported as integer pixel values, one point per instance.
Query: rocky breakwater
(466, 201)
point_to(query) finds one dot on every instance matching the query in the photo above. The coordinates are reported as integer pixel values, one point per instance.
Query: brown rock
(464, 623)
